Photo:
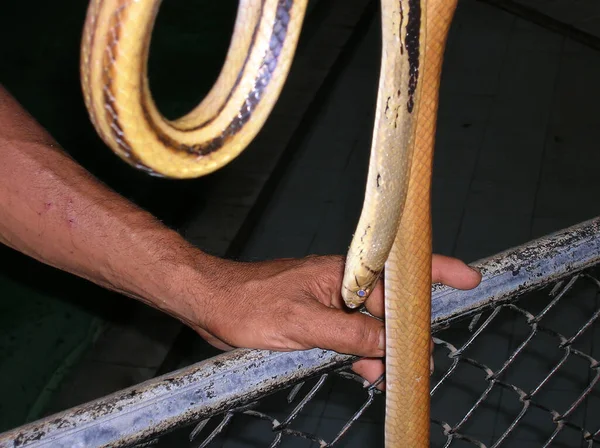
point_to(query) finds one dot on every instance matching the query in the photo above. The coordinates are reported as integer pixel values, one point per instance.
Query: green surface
(48, 318)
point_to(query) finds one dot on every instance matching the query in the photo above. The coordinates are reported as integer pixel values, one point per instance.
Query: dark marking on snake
(372, 271)
(365, 234)
(120, 139)
(238, 78)
(401, 4)
(387, 106)
(109, 100)
(378, 180)
(265, 73)
(413, 44)
(264, 76)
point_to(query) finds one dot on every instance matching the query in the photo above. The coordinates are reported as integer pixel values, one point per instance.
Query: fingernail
(431, 366)
(382, 340)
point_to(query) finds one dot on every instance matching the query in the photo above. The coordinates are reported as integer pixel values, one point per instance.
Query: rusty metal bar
(143, 412)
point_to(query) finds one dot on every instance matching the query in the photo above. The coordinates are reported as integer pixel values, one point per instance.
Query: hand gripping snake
(394, 230)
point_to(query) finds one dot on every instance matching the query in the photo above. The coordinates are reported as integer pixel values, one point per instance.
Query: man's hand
(55, 211)
(293, 304)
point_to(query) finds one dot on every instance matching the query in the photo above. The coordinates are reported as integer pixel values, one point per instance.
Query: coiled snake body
(394, 228)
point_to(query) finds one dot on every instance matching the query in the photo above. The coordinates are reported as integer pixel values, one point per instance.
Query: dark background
(516, 158)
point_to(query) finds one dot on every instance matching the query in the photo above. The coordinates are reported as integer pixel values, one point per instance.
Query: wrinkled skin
(306, 310)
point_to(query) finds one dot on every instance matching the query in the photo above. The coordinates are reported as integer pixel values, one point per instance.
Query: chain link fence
(516, 365)
(543, 388)
(522, 401)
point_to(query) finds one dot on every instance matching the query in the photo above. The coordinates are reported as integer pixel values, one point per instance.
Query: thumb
(346, 332)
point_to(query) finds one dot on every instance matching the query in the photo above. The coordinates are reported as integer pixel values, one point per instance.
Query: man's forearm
(57, 212)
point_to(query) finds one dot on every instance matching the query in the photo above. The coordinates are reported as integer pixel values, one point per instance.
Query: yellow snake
(395, 227)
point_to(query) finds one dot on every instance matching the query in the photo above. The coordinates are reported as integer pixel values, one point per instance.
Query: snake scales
(394, 230)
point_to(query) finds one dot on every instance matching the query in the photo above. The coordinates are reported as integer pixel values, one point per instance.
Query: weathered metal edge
(159, 405)
(519, 270)
(210, 387)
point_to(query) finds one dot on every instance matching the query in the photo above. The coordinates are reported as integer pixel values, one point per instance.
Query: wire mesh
(524, 373)
(544, 390)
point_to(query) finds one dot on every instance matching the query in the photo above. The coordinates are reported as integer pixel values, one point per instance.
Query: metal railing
(212, 394)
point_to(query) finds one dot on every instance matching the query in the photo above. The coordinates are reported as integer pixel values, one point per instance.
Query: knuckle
(359, 338)
(292, 326)
(323, 275)
(371, 336)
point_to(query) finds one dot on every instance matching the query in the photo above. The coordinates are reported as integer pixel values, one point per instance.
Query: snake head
(359, 281)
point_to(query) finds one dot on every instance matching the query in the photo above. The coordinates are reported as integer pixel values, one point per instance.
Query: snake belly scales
(394, 230)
